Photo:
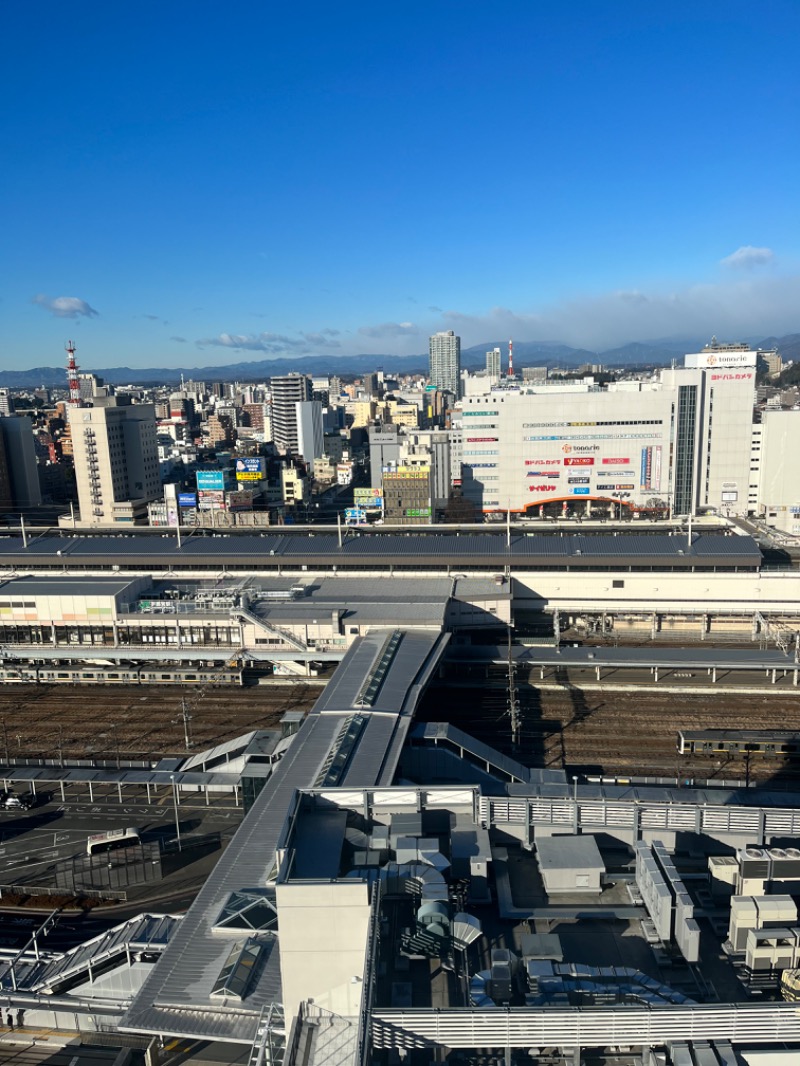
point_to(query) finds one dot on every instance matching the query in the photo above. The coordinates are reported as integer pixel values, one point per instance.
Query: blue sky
(193, 183)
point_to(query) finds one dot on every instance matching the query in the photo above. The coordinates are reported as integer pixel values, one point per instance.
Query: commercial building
(116, 461)
(676, 443)
(384, 451)
(407, 495)
(429, 449)
(287, 392)
(445, 362)
(778, 494)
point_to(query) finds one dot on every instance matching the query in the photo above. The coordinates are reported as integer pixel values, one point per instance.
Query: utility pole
(513, 700)
(186, 718)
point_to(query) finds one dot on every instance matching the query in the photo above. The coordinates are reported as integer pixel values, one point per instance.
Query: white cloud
(390, 329)
(252, 342)
(65, 306)
(747, 257)
(273, 343)
(323, 339)
(746, 308)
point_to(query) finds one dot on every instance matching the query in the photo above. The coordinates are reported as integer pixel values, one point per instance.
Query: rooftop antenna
(72, 376)
(511, 359)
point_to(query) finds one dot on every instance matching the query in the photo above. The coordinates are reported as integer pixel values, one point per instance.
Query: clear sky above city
(193, 183)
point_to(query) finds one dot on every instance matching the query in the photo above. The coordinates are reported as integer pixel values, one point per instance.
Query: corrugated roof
(359, 547)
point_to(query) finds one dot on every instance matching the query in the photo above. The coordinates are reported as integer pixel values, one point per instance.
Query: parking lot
(32, 841)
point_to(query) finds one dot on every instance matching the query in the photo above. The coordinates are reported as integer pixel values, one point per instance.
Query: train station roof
(587, 658)
(353, 736)
(369, 549)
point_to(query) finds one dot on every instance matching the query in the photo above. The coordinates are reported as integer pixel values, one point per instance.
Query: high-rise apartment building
(445, 362)
(220, 430)
(287, 392)
(255, 413)
(116, 461)
(309, 430)
(493, 364)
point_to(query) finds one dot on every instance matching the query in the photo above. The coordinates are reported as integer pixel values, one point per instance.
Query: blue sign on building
(187, 499)
(210, 480)
(580, 492)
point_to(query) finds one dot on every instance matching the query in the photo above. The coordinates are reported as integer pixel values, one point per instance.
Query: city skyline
(184, 203)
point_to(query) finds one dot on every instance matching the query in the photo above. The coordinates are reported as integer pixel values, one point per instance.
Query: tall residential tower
(287, 392)
(445, 362)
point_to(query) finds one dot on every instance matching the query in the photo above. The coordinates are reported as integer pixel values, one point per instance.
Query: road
(32, 841)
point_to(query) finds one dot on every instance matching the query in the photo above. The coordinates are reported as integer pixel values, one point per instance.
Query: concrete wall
(645, 592)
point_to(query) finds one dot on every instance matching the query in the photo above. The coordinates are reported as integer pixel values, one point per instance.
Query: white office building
(676, 443)
(778, 489)
(116, 461)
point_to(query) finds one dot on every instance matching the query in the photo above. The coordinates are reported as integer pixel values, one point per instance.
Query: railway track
(135, 722)
(628, 733)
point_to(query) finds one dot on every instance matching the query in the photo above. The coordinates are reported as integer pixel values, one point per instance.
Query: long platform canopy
(360, 550)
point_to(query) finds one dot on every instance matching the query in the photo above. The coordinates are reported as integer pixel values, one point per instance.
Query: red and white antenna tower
(72, 376)
(511, 359)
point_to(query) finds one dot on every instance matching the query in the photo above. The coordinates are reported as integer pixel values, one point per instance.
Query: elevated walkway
(502, 767)
(52, 973)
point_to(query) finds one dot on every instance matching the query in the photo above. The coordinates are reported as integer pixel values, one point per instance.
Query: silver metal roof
(176, 997)
(662, 656)
(247, 550)
(435, 731)
(66, 586)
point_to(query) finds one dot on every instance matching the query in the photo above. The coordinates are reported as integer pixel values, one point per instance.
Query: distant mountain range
(552, 354)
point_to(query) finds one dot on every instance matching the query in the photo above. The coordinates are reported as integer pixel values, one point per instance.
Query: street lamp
(575, 815)
(175, 804)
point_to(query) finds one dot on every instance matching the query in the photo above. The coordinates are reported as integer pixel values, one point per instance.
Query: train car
(767, 742)
(129, 675)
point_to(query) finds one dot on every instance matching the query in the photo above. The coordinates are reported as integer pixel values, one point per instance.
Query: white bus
(110, 841)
